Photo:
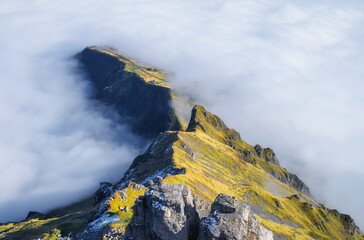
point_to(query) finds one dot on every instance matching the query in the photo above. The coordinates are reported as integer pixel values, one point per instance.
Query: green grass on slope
(69, 219)
(149, 73)
(212, 168)
(123, 206)
(211, 155)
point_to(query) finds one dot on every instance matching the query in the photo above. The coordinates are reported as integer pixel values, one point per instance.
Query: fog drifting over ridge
(285, 75)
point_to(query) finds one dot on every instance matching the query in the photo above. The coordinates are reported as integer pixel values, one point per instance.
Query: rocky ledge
(171, 211)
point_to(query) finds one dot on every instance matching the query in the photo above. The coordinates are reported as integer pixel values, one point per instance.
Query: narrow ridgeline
(196, 181)
(211, 159)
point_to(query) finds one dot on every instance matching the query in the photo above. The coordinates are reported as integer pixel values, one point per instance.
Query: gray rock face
(259, 150)
(224, 204)
(294, 181)
(170, 211)
(167, 211)
(267, 154)
(104, 191)
(270, 156)
(145, 107)
(232, 219)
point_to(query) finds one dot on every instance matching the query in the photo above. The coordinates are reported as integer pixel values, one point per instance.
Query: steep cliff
(137, 91)
(200, 181)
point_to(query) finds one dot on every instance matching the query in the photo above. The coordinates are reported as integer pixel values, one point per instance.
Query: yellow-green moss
(123, 206)
(214, 166)
(149, 73)
(53, 235)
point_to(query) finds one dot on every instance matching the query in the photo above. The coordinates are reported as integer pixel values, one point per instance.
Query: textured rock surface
(146, 107)
(170, 211)
(167, 211)
(294, 181)
(232, 219)
(103, 192)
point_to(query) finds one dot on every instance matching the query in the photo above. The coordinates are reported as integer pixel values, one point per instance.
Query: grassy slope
(72, 218)
(123, 206)
(149, 73)
(213, 158)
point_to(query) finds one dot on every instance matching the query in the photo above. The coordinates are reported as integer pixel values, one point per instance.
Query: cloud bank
(287, 75)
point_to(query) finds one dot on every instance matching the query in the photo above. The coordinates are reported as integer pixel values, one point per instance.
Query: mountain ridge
(139, 93)
(209, 160)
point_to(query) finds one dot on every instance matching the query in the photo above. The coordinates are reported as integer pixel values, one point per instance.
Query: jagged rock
(170, 211)
(166, 211)
(232, 219)
(259, 150)
(267, 154)
(270, 156)
(292, 180)
(104, 191)
(347, 222)
(224, 204)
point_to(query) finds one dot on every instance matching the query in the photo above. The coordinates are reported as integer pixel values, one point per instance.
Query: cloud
(285, 74)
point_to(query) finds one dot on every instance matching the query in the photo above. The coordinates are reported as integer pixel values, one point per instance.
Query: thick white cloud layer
(287, 75)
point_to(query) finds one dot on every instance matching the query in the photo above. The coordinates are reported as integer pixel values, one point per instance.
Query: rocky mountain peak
(200, 182)
(202, 120)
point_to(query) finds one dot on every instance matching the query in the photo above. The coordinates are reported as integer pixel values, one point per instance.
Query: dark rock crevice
(170, 211)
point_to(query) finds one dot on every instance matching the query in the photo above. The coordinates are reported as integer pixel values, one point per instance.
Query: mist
(286, 75)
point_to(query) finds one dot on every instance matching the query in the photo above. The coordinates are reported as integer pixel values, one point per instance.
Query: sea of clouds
(285, 74)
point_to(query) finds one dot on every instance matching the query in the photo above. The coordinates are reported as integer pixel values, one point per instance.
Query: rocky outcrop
(145, 107)
(347, 222)
(104, 191)
(212, 125)
(170, 211)
(166, 211)
(293, 181)
(232, 219)
(267, 154)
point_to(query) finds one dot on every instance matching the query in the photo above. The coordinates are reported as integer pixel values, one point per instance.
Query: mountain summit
(195, 181)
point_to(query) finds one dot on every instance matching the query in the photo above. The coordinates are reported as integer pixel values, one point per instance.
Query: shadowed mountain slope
(199, 182)
(138, 92)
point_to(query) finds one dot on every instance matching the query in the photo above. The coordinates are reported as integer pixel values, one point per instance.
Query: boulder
(166, 211)
(232, 220)
(170, 211)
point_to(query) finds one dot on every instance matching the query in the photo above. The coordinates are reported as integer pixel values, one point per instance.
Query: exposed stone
(224, 204)
(259, 150)
(146, 107)
(270, 156)
(347, 222)
(166, 211)
(292, 180)
(232, 220)
(104, 191)
(170, 211)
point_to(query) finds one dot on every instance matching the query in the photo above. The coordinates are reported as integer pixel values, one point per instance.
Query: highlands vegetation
(199, 180)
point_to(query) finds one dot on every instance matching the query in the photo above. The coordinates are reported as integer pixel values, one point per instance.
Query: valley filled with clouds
(286, 75)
